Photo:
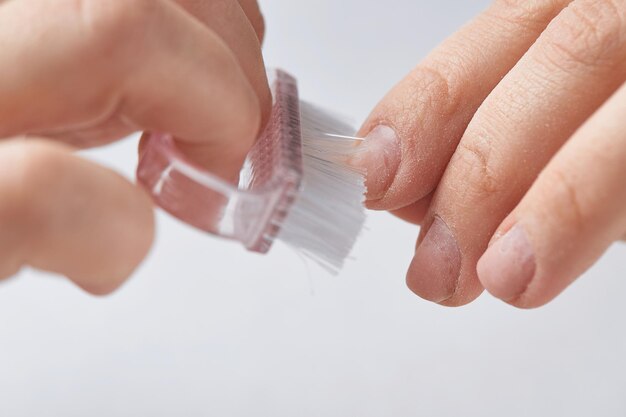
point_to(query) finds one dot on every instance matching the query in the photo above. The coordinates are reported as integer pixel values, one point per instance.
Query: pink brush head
(265, 203)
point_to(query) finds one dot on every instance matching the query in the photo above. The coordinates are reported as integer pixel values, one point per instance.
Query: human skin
(82, 73)
(507, 144)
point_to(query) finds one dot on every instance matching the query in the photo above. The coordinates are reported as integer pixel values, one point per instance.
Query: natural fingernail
(509, 265)
(380, 158)
(436, 267)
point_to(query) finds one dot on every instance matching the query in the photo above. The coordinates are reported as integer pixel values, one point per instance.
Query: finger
(575, 210)
(576, 64)
(426, 114)
(186, 80)
(415, 212)
(66, 215)
(253, 12)
(236, 23)
(226, 19)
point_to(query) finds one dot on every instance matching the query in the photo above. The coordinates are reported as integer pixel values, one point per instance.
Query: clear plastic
(252, 211)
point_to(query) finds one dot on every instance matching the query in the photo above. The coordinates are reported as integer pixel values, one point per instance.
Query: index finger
(238, 24)
(143, 65)
(414, 130)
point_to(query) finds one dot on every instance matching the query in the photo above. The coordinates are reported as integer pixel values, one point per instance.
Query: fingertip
(77, 218)
(436, 266)
(508, 266)
(222, 149)
(419, 282)
(98, 286)
(105, 280)
(117, 258)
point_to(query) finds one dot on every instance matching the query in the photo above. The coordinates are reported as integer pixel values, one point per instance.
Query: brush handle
(251, 212)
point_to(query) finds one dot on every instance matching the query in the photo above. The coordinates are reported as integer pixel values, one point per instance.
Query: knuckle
(432, 78)
(431, 86)
(475, 157)
(565, 199)
(526, 12)
(587, 32)
(435, 89)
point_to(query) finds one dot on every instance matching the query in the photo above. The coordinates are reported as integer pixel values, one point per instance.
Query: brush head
(296, 184)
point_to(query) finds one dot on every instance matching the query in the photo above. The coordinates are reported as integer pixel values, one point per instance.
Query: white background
(206, 329)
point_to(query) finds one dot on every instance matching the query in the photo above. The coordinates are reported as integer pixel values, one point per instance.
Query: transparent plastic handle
(250, 212)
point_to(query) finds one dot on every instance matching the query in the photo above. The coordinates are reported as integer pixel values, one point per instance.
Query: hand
(508, 145)
(87, 72)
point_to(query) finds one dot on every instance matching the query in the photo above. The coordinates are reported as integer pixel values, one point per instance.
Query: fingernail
(509, 265)
(380, 158)
(436, 267)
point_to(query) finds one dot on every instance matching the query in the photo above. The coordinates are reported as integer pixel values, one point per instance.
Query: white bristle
(328, 214)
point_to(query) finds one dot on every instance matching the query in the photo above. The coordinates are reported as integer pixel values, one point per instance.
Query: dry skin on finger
(574, 211)
(525, 120)
(431, 108)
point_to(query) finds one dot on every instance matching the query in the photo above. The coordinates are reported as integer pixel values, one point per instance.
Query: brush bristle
(328, 214)
(297, 184)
